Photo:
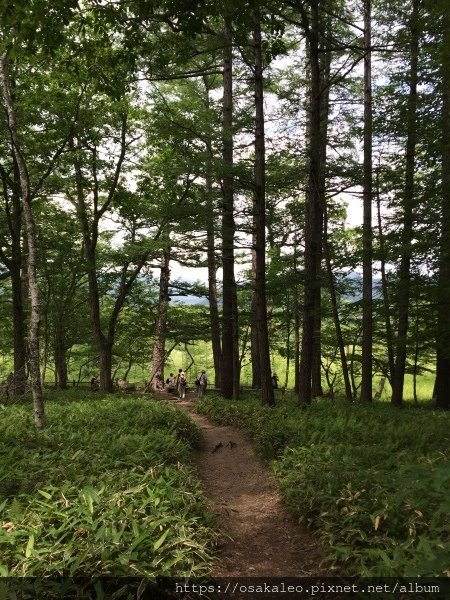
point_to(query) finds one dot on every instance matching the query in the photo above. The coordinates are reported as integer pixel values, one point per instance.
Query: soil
(258, 537)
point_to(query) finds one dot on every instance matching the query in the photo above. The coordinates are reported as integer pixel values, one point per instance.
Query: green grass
(106, 489)
(425, 386)
(372, 481)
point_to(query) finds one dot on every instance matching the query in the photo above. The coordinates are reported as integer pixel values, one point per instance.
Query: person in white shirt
(202, 382)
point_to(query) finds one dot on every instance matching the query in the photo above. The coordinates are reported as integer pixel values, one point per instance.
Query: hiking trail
(258, 537)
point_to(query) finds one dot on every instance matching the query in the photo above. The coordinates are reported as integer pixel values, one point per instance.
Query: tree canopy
(290, 157)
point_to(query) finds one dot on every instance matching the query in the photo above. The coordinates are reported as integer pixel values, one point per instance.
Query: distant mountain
(191, 300)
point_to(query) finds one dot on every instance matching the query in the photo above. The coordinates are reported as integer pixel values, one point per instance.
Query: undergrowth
(371, 480)
(106, 489)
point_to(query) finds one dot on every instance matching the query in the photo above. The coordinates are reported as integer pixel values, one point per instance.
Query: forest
(249, 188)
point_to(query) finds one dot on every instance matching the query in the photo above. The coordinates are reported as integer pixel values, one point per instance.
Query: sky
(354, 219)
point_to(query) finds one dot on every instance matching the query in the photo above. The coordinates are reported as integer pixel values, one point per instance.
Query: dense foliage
(370, 482)
(295, 157)
(116, 153)
(106, 489)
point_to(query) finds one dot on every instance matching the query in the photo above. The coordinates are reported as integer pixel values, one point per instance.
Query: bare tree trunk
(380, 387)
(352, 366)
(236, 354)
(408, 216)
(296, 308)
(214, 308)
(60, 351)
(18, 324)
(159, 342)
(90, 231)
(367, 334)
(325, 65)
(128, 369)
(212, 282)
(259, 211)
(442, 385)
(384, 287)
(316, 369)
(313, 211)
(46, 335)
(416, 352)
(106, 383)
(288, 340)
(334, 306)
(230, 358)
(89, 246)
(33, 332)
(256, 367)
(13, 211)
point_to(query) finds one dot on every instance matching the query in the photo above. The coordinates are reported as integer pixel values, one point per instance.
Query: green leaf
(160, 541)
(89, 502)
(30, 546)
(137, 541)
(45, 494)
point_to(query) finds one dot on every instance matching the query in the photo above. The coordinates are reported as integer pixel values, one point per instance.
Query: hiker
(171, 384)
(275, 381)
(181, 383)
(177, 380)
(201, 382)
(94, 384)
(122, 385)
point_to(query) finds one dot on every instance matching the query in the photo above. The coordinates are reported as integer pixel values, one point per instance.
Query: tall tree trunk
(416, 350)
(256, 366)
(214, 306)
(60, 351)
(367, 334)
(408, 216)
(288, 340)
(384, 285)
(442, 386)
(89, 249)
(313, 211)
(335, 310)
(316, 369)
(212, 275)
(33, 332)
(106, 383)
(296, 309)
(229, 310)
(15, 266)
(18, 323)
(90, 232)
(259, 210)
(45, 327)
(159, 342)
(325, 65)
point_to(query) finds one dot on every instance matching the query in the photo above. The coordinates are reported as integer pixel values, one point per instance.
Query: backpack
(202, 379)
(182, 378)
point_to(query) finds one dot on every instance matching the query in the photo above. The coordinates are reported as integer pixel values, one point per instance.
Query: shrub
(106, 488)
(369, 479)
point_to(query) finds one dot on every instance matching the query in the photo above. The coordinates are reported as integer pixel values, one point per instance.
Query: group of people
(177, 383)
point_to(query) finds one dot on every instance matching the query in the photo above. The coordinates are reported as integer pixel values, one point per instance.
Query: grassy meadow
(371, 481)
(201, 354)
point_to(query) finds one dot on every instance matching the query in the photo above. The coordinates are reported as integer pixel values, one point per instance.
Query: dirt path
(259, 537)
